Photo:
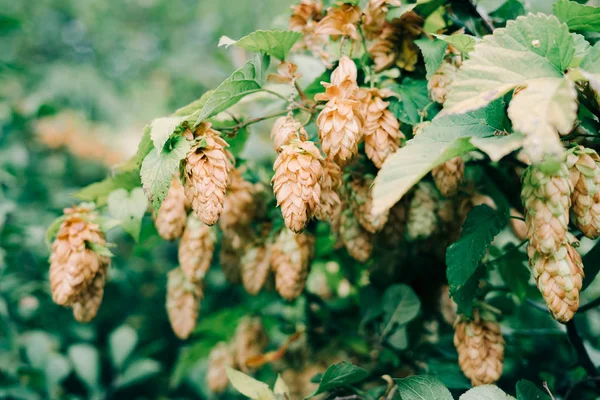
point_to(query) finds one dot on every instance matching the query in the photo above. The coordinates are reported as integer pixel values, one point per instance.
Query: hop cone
(357, 240)
(340, 123)
(239, 206)
(296, 183)
(381, 129)
(230, 261)
(340, 20)
(171, 217)
(330, 204)
(449, 176)
(250, 340)
(183, 302)
(439, 84)
(299, 381)
(285, 129)
(73, 264)
(480, 349)
(303, 13)
(374, 16)
(559, 278)
(221, 357)
(256, 265)
(196, 249)
(422, 218)
(361, 203)
(87, 304)
(290, 260)
(395, 45)
(395, 228)
(207, 167)
(345, 71)
(547, 198)
(584, 173)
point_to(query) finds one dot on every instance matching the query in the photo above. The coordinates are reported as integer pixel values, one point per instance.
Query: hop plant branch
(582, 354)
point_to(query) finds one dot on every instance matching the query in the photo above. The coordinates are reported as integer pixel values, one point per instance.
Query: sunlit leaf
(274, 43)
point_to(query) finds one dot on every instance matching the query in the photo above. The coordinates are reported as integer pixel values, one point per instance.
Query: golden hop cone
(285, 129)
(221, 356)
(422, 215)
(559, 277)
(73, 265)
(230, 261)
(87, 304)
(357, 240)
(250, 341)
(239, 206)
(296, 183)
(256, 265)
(171, 217)
(341, 20)
(196, 249)
(381, 129)
(345, 71)
(340, 123)
(183, 302)
(584, 171)
(374, 16)
(361, 202)
(207, 167)
(449, 176)
(395, 228)
(480, 349)
(439, 84)
(290, 260)
(395, 45)
(329, 205)
(547, 198)
(303, 12)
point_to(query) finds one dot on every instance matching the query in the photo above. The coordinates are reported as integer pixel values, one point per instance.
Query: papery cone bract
(183, 303)
(291, 255)
(358, 241)
(221, 356)
(584, 174)
(256, 265)
(196, 249)
(171, 217)
(422, 217)
(87, 304)
(250, 341)
(449, 176)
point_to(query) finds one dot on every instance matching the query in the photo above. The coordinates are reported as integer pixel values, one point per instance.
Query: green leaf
(398, 339)
(513, 269)
(158, 169)
(591, 261)
(414, 96)
(162, 128)
(463, 43)
(56, 370)
(496, 147)
(422, 387)
(447, 137)
(535, 46)
(578, 16)
(138, 371)
(242, 82)
(340, 375)
(547, 106)
(400, 306)
(274, 43)
(462, 257)
(421, 7)
(591, 60)
(465, 296)
(129, 209)
(86, 363)
(98, 192)
(433, 53)
(528, 391)
(249, 386)
(121, 343)
(486, 392)
(53, 229)
(100, 249)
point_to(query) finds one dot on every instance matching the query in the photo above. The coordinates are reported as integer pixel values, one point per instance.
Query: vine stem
(254, 121)
(590, 305)
(366, 67)
(582, 354)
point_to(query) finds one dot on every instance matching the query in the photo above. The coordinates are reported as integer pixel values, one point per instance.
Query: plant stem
(590, 305)
(582, 354)
(508, 252)
(275, 94)
(366, 67)
(244, 124)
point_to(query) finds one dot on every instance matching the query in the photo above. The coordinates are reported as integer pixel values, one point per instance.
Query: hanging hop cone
(340, 21)
(480, 349)
(340, 123)
(329, 205)
(559, 277)
(290, 260)
(239, 205)
(256, 265)
(183, 302)
(395, 228)
(439, 84)
(230, 261)
(250, 341)
(395, 45)
(374, 16)
(87, 304)
(448, 307)
(285, 129)
(357, 240)
(304, 13)
(584, 172)
(207, 168)
(547, 197)
(360, 196)
(73, 263)
(171, 217)
(196, 249)
(422, 217)
(518, 227)
(381, 129)
(221, 356)
(449, 176)
(297, 183)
